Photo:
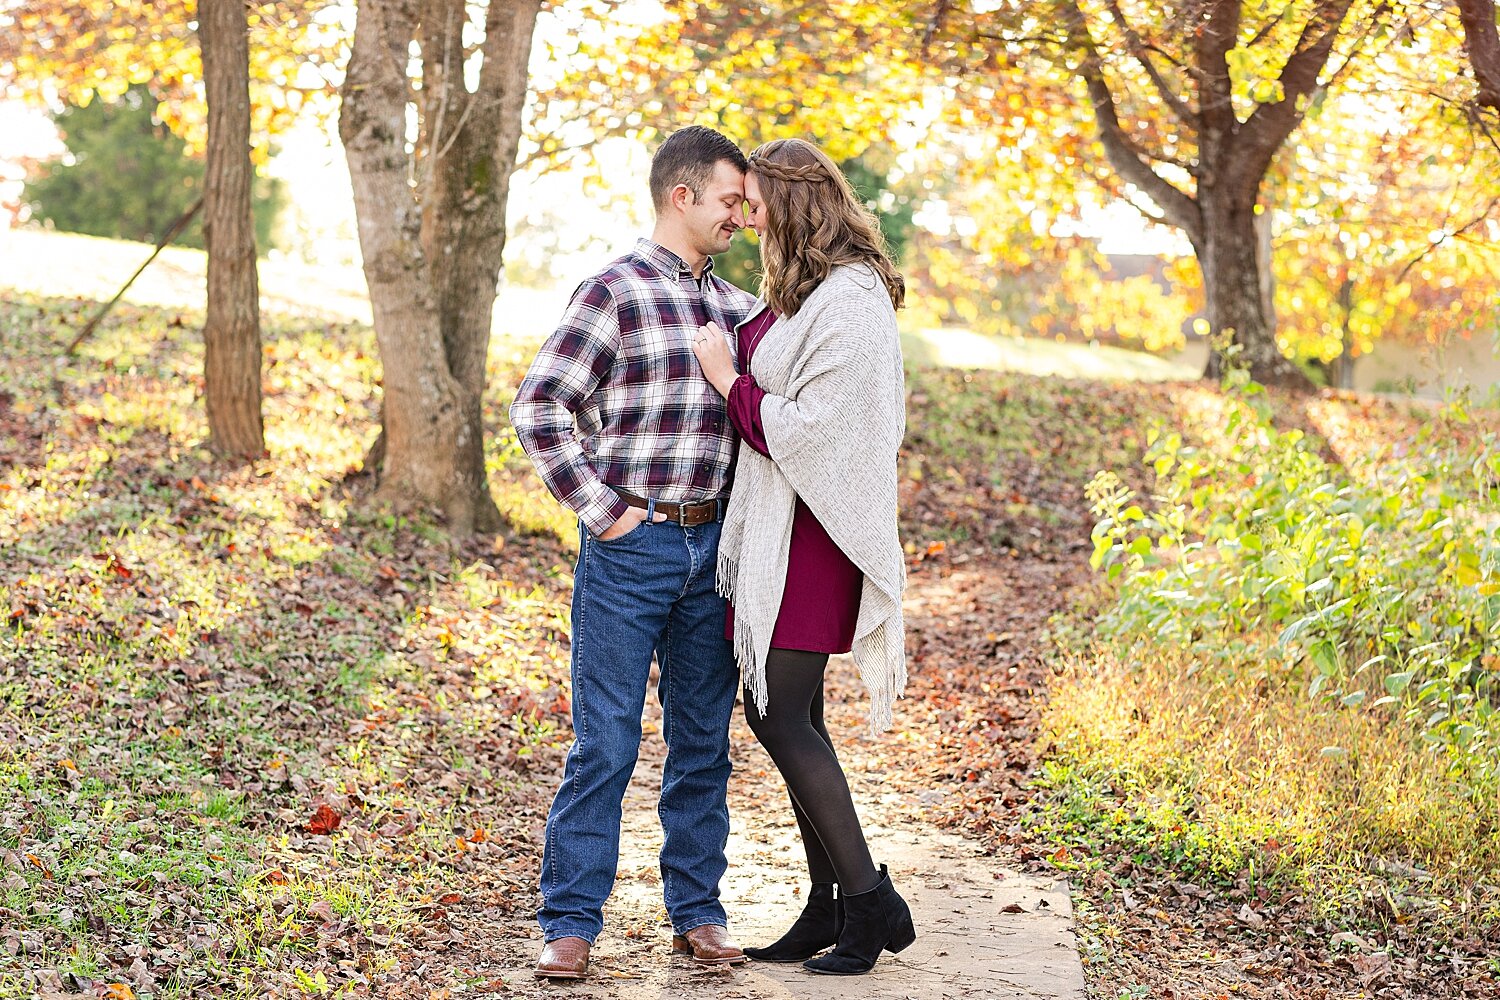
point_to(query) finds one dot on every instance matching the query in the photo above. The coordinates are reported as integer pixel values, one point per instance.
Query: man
(627, 432)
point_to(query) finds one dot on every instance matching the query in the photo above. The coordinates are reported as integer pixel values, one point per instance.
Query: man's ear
(681, 197)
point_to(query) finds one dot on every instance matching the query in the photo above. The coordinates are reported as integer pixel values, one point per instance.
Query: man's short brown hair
(688, 157)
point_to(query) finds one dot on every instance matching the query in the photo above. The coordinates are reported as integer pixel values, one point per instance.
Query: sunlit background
(1004, 271)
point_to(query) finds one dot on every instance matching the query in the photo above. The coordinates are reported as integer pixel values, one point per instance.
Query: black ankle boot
(873, 921)
(817, 928)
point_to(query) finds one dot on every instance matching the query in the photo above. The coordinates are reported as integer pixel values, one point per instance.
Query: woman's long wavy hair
(814, 221)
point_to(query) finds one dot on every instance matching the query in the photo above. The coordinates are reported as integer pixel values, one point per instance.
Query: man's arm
(567, 370)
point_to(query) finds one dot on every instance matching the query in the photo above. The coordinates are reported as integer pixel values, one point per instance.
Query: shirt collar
(668, 263)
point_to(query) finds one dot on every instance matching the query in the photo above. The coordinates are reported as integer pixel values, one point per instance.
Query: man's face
(715, 217)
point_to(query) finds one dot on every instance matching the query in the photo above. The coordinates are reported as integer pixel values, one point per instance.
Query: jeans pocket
(621, 539)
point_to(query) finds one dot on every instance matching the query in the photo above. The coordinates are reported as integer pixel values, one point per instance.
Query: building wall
(1428, 369)
(1423, 370)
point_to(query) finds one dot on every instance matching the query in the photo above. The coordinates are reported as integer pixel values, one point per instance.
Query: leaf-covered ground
(248, 738)
(255, 739)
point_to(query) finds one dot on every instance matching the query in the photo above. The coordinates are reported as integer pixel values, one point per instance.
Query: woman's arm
(744, 412)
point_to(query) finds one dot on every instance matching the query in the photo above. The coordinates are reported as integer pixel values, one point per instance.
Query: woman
(809, 555)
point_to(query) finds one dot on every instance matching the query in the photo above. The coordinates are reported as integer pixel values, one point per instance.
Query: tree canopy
(71, 51)
(1021, 114)
(1308, 130)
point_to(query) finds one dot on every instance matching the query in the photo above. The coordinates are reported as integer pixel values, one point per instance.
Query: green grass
(953, 347)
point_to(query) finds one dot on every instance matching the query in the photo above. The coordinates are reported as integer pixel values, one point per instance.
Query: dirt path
(959, 757)
(985, 930)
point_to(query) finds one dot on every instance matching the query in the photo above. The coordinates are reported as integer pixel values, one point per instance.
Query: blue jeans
(650, 591)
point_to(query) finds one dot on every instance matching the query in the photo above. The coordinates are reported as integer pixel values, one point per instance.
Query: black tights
(792, 731)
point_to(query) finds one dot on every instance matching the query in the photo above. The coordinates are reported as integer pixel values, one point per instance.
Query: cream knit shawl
(834, 417)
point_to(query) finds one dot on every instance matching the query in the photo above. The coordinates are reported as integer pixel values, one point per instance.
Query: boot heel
(902, 938)
(874, 921)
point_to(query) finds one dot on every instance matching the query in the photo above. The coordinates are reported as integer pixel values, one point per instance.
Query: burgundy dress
(820, 605)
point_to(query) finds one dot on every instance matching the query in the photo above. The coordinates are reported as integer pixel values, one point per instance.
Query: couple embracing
(718, 446)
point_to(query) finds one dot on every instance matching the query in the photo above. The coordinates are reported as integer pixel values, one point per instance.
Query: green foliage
(127, 176)
(740, 264)
(1095, 807)
(1378, 585)
(894, 207)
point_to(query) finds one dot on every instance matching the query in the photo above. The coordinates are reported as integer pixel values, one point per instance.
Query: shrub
(1379, 585)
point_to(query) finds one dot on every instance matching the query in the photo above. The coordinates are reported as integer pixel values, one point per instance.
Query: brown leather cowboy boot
(564, 958)
(709, 945)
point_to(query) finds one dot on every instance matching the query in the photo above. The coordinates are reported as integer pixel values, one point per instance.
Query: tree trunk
(1235, 299)
(1265, 235)
(1344, 364)
(470, 153)
(1232, 160)
(465, 235)
(433, 254)
(231, 334)
(421, 407)
(1482, 40)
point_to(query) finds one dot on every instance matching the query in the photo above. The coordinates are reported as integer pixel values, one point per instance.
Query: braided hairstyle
(814, 221)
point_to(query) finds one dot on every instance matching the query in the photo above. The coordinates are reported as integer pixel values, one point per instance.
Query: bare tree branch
(173, 231)
(1169, 57)
(1269, 27)
(1220, 25)
(936, 24)
(1178, 208)
(1445, 236)
(1368, 27)
(1477, 118)
(1179, 108)
(1270, 124)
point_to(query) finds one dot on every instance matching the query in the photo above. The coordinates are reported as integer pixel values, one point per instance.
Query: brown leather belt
(686, 514)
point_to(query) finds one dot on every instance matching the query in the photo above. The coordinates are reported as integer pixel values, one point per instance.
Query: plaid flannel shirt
(615, 397)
